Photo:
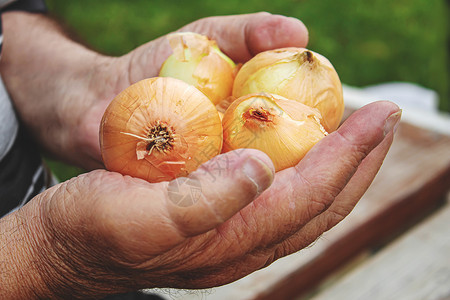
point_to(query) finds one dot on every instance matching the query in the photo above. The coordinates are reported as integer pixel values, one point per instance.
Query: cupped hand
(240, 37)
(106, 233)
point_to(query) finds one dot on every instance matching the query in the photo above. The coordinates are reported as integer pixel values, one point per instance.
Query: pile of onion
(281, 102)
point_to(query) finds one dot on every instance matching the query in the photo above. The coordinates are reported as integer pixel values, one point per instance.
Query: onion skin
(298, 74)
(189, 118)
(284, 129)
(198, 60)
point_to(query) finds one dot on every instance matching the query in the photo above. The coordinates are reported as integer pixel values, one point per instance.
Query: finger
(238, 36)
(243, 36)
(126, 210)
(218, 190)
(360, 181)
(327, 168)
(342, 205)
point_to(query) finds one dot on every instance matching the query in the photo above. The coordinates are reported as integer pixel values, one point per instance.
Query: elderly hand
(104, 233)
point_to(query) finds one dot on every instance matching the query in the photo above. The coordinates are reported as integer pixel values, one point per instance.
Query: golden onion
(284, 129)
(198, 60)
(158, 129)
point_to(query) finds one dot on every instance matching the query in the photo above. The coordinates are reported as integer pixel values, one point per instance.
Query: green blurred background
(368, 42)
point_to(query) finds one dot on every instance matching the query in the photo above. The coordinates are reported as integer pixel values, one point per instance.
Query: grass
(368, 42)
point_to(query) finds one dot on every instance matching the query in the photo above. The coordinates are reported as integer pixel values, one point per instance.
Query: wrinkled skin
(103, 233)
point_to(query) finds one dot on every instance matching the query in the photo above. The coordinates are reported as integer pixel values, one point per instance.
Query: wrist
(84, 110)
(41, 258)
(52, 82)
(20, 263)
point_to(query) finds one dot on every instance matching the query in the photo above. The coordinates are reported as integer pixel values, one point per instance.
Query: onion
(198, 60)
(284, 129)
(158, 129)
(297, 74)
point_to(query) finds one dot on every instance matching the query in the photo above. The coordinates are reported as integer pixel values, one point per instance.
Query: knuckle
(318, 194)
(331, 219)
(358, 150)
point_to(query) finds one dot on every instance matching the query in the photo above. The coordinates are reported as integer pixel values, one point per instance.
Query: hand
(105, 233)
(72, 85)
(240, 37)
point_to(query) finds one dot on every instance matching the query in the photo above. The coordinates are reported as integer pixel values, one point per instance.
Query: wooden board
(411, 183)
(414, 267)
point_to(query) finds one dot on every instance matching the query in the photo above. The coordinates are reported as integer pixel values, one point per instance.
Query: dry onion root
(284, 129)
(297, 74)
(158, 129)
(198, 60)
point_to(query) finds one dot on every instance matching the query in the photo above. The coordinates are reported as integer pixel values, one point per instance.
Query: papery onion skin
(164, 105)
(298, 74)
(198, 60)
(284, 129)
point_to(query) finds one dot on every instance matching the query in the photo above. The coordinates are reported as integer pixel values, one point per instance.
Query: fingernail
(260, 173)
(392, 122)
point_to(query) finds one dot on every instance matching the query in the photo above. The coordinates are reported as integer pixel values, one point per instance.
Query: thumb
(218, 190)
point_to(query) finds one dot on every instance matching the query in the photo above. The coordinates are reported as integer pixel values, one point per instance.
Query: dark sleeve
(22, 174)
(37, 6)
